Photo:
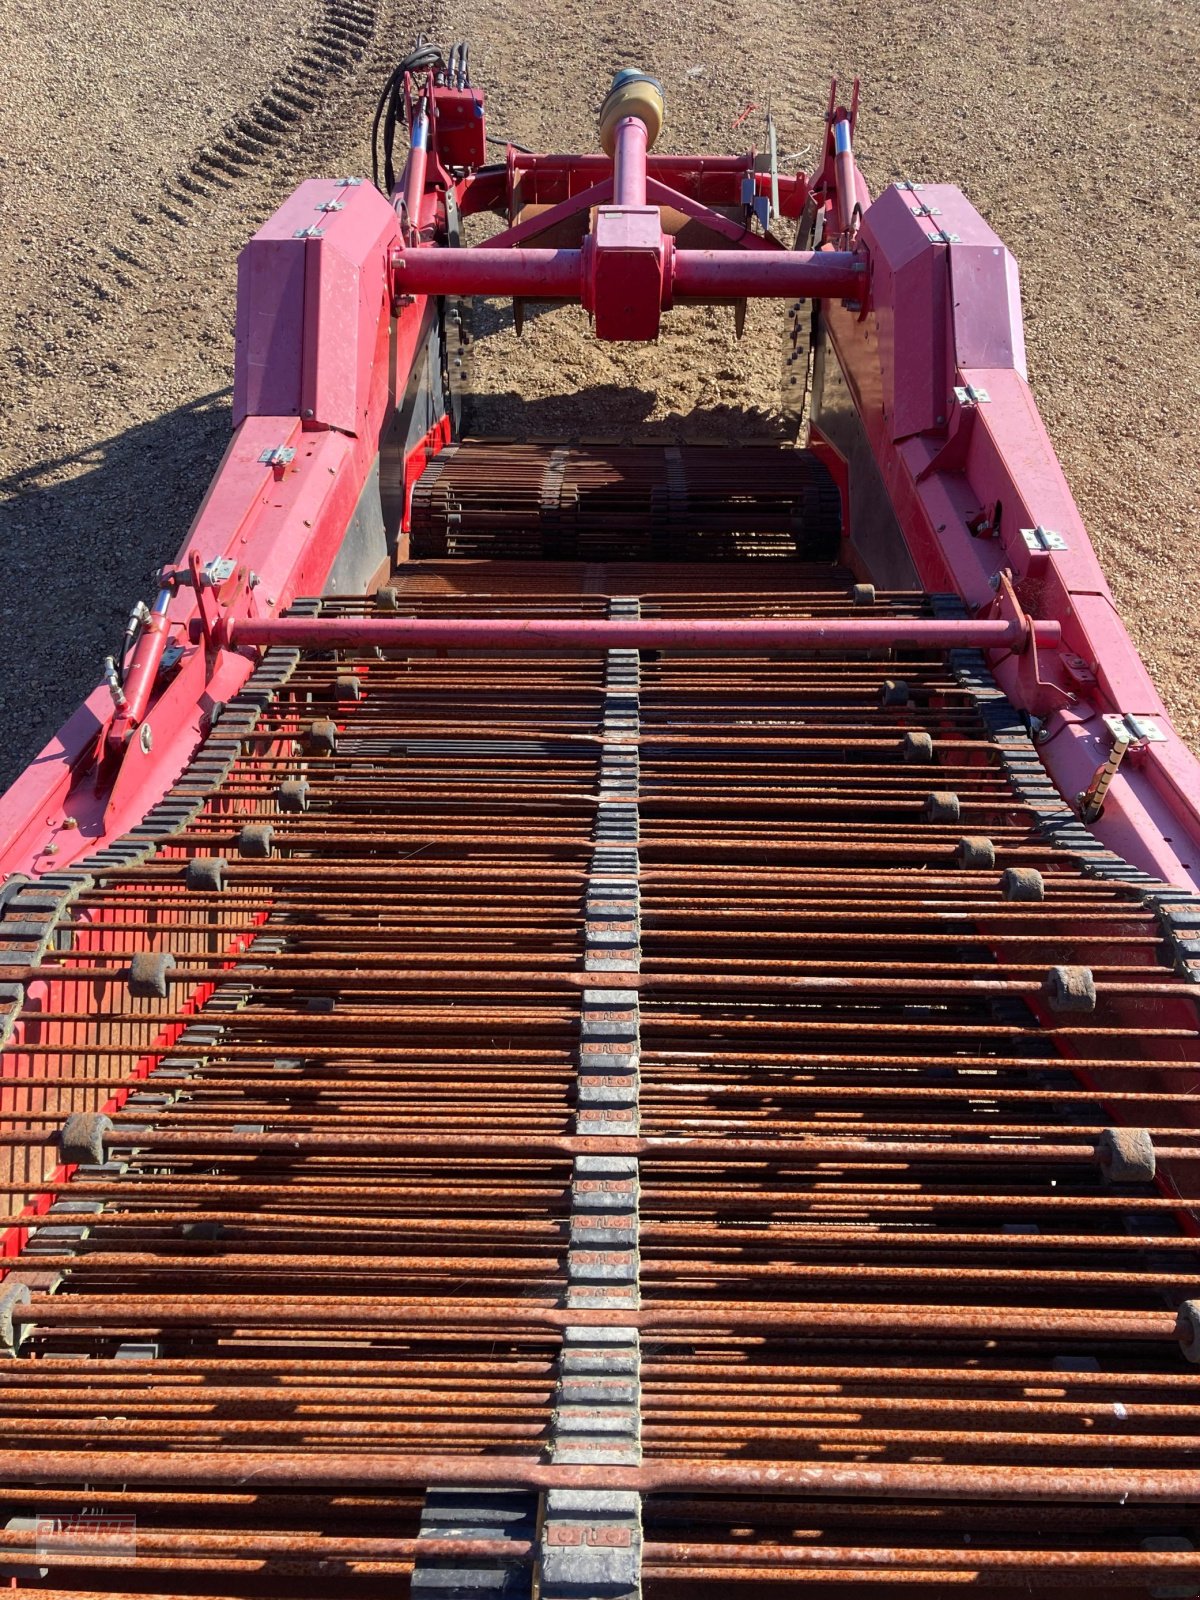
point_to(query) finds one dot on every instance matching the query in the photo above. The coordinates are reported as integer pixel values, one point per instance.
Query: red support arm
(715, 636)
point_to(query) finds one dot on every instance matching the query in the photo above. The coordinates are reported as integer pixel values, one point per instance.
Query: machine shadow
(82, 536)
(614, 413)
(100, 521)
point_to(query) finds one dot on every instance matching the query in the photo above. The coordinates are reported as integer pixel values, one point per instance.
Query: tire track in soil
(120, 411)
(250, 142)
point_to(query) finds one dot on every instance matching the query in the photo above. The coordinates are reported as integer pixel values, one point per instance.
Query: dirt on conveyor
(141, 153)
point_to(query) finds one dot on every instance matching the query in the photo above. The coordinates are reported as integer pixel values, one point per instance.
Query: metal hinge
(348, 183)
(313, 231)
(903, 183)
(940, 236)
(332, 205)
(968, 395)
(1123, 725)
(930, 211)
(277, 455)
(1040, 538)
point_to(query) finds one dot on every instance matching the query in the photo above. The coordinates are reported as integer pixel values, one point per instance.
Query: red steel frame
(919, 300)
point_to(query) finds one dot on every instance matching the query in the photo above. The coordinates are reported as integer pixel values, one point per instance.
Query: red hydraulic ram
(711, 635)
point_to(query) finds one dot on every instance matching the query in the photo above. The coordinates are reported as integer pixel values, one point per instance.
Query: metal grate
(616, 1123)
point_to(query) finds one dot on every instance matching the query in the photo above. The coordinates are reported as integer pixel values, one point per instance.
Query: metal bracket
(332, 205)
(1078, 670)
(1037, 695)
(930, 211)
(348, 183)
(903, 183)
(967, 395)
(215, 571)
(1134, 730)
(277, 458)
(313, 231)
(221, 586)
(985, 523)
(940, 236)
(1040, 538)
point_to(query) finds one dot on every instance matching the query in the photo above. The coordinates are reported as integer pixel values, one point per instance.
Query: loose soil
(139, 151)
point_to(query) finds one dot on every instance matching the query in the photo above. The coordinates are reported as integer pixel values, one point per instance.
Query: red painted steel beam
(733, 274)
(688, 275)
(712, 635)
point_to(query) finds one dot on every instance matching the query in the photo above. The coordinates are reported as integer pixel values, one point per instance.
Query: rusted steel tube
(1146, 1563)
(712, 635)
(802, 1147)
(379, 1470)
(281, 1310)
(90, 1536)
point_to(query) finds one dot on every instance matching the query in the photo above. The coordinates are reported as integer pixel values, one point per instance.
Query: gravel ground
(1071, 130)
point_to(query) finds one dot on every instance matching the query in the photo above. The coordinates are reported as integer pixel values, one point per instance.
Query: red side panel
(946, 316)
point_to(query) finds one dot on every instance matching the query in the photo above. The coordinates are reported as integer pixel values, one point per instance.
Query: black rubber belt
(591, 1539)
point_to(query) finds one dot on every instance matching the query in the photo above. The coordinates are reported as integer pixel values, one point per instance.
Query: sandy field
(140, 146)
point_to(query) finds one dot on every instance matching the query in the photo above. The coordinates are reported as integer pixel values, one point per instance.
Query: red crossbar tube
(814, 275)
(691, 274)
(713, 636)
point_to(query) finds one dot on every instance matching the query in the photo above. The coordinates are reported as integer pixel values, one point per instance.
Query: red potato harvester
(584, 1020)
